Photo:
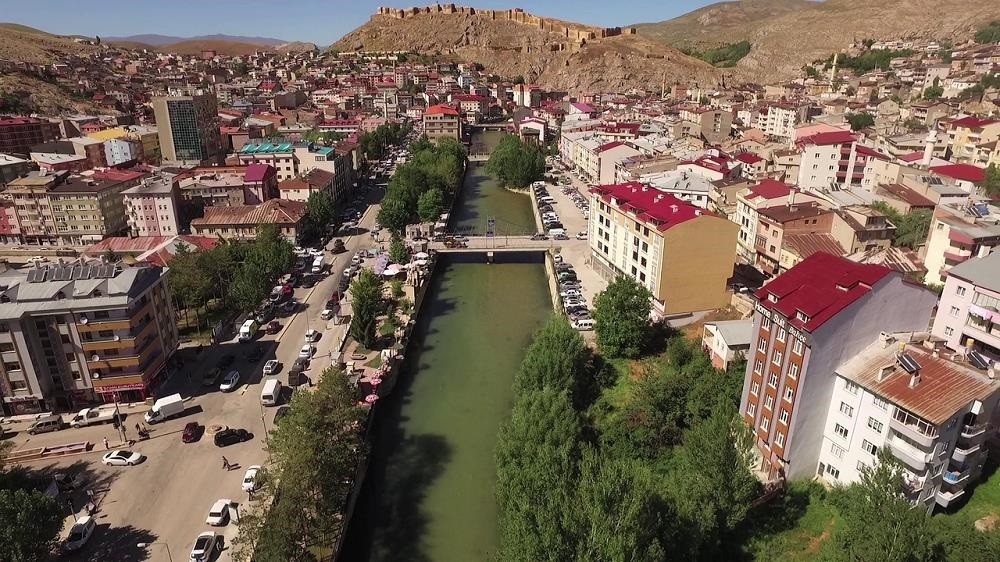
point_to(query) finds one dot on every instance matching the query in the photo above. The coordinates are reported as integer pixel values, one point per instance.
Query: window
(781, 334)
(783, 418)
(840, 430)
(762, 344)
(751, 410)
(875, 424)
(758, 367)
(837, 450)
(772, 380)
(862, 466)
(11, 366)
(954, 312)
(765, 423)
(793, 370)
(18, 385)
(788, 394)
(948, 330)
(776, 358)
(765, 323)
(6, 346)
(851, 386)
(869, 447)
(846, 409)
(768, 402)
(779, 440)
(797, 347)
(754, 388)
(881, 404)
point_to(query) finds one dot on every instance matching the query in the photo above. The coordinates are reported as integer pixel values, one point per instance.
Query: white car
(569, 293)
(205, 546)
(79, 534)
(315, 252)
(121, 457)
(582, 235)
(231, 381)
(218, 515)
(307, 351)
(326, 314)
(271, 367)
(313, 336)
(250, 478)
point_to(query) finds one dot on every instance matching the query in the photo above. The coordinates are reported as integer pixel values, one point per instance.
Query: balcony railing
(913, 427)
(970, 431)
(960, 454)
(957, 477)
(946, 498)
(910, 455)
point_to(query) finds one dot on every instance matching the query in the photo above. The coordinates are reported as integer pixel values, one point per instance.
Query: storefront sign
(119, 387)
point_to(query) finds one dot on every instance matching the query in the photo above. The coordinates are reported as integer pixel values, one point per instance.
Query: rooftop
(662, 211)
(945, 387)
(973, 122)
(769, 189)
(785, 213)
(266, 148)
(819, 287)
(441, 109)
(833, 137)
(272, 211)
(963, 172)
(982, 272)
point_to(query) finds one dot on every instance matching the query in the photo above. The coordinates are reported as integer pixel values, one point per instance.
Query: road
(165, 500)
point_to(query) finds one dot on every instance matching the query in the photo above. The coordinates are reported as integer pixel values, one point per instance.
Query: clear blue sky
(317, 21)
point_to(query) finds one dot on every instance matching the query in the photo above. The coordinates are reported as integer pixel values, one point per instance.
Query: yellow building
(683, 254)
(146, 137)
(972, 139)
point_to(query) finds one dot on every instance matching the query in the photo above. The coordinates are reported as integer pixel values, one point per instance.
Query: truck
(92, 416)
(248, 329)
(165, 408)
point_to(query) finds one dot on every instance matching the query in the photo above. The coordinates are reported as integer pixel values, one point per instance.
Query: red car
(273, 327)
(192, 432)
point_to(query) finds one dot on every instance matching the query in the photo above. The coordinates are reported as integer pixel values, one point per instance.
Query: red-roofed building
(966, 176)
(683, 254)
(442, 121)
(754, 166)
(837, 160)
(766, 193)
(807, 322)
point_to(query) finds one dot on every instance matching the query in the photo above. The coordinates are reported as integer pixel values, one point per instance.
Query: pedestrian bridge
(505, 244)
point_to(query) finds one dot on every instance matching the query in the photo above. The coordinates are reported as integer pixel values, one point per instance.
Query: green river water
(429, 491)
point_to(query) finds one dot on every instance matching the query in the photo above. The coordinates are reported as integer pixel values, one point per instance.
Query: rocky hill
(157, 40)
(552, 53)
(21, 43)
(786, 34)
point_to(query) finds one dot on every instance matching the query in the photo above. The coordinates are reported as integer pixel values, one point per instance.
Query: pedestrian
(137, 430)
(106, 446)
(225, 463)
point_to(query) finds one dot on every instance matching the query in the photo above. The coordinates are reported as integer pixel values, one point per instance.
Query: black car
(560, 237)
(300, 364)
(225, 361)
(338, 246)
(231, 436)
(308, 282)
(255, 353)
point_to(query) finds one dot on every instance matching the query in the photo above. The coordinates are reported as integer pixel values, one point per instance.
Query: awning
(959, 236)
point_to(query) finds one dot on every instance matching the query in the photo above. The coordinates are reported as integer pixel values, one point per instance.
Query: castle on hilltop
(576, 32)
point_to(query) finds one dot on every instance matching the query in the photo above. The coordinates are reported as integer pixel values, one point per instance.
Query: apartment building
(76, 333)
(749, 202)
(11, 167)
(861, 228)
(302, 187)
(241, 222)
(809, 321)
(151, 207)
(934, 412)
(279, 155)
(19, 134)
(967, 136)
(968, 317)
(959, 232)
(188, 127)
(780, 118)
(62, 209)
(713, 125)
(229, 185)
(442, 121)
(681, 253)
(777, 222)
(143, 142)
(333, 160)
(835, 160)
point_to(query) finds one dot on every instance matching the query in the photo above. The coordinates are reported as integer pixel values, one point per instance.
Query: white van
(554, 231)
(270, 395)
(248, 329)
(317, 265)
(584, 325)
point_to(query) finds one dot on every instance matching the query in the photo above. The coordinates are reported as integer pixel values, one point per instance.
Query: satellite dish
(95, 357)
(84, 320)
(117, 337)
(96, 375)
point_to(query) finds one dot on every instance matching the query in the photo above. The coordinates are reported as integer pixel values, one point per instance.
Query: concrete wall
(697, 260)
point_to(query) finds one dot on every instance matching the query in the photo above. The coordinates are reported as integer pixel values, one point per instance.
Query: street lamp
(148, 544)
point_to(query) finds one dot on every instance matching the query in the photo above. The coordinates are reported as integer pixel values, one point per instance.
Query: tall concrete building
(188, 127)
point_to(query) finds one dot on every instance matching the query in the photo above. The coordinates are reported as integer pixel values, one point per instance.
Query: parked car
(300, 364)
(338, 246)
(218, 514)
(79, 534)
(121, 457)
(313, 336)
(327, 314)
(539, 237)
(231, 381)
(205, 546)
(250, 480)
(273, 327)
(192, 432)
(557, 258)
(582, 235)
(289, 306)
(569, 293)
(272, 367)
(307, 351)
(560, 237)
(231, 436)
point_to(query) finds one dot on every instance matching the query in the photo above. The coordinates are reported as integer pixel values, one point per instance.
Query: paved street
(166, 498)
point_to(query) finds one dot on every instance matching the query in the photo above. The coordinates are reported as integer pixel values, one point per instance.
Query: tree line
(30, 521)
(419, 188)
(725, 56)
(374, 145)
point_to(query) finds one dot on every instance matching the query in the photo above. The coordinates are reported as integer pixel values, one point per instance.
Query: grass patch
(375, 363)
(188, 325)
(792, 528)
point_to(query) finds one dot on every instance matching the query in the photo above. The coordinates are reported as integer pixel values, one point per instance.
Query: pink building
(151, 207)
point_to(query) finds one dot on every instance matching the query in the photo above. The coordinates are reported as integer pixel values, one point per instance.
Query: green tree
(911, 228)
(398, 252)
(249, 287)
(621, 317)
(859, 121)
(878, 523)
(516, 163)
(430, 205)
(393, 215)
(366, 295)
(989, 33)
(934, 91)
(961, 543)
(991, 184)
(30, 523)
(712, 485)
(557, 358)
(537, 454)
(320, 209)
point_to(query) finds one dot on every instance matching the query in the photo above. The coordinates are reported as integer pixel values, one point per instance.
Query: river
(483, 197)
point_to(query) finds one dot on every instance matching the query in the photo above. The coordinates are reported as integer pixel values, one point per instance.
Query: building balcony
(913, 428)
(913, 484)
(960, 454)
(991, 338)
(945, 498)
(956, 477)
(908, 454)
(956, 257)
(973, 431)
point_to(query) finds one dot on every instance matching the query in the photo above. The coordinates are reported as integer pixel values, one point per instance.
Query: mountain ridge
(158, 40)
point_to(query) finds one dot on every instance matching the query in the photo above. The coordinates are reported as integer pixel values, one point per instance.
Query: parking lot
(163, 501)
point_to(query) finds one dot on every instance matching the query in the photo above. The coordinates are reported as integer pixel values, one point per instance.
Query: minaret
(929, 144)
(833, 69)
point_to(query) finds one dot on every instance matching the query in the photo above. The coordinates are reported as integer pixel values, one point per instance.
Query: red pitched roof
(769, 189)
(973, 122)
(649, 205)
(871, 152)
(609, 146)
(257, 172)
(965, 172)
(833, 137)
(820, 286)
(748, 158)
(441, 109)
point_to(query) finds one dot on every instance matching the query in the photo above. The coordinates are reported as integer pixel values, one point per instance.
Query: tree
(430, 205)
(30, 523)
(248, 288)
(621, 317)
(320, 209)
(393, 215)
(911, 228)
(878, 523)
(366, 292)
(516, 163)
(537, 456)
(557, 358)
(934, 91)
(991, 184)
(398, 252)
(859, 121)
(989, 33)
(712, 485)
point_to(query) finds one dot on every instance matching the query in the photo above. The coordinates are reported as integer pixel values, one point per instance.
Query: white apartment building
(835, 160)
(151, 207)
(279, 155)
(968, 316)
(767, 193)
(779, 120)
(933, 411)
